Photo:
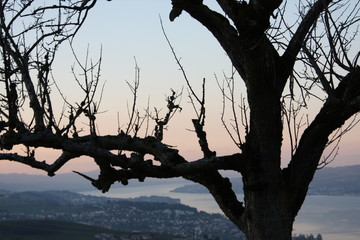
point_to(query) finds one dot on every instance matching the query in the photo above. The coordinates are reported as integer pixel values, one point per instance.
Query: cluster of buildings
(174, 219)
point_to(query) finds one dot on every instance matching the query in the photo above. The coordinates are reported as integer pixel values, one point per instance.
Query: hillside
(59, 215)
(60, 230)
(336, 181)
(155, 215)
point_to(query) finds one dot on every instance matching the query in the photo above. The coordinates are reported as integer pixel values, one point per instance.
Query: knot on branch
(254, 17)
(162, 122)
(7, 140)
(135, 160)
(349, 87)
(105, 180)
(180, 5)
(201, 134)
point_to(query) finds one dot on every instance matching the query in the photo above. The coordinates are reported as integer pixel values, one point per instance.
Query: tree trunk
(268, 215)
(268, 211)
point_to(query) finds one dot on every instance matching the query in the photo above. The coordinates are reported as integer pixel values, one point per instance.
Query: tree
(319, 237)
(266, 52)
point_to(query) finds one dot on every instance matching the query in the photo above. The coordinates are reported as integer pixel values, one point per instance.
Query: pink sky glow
(126, 29)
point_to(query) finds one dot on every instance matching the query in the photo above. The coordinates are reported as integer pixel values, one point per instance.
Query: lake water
(334, 217)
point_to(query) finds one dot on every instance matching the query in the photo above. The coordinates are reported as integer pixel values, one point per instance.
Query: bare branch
(231, 98)
(302, 31)
(179, 64)
(172, 107)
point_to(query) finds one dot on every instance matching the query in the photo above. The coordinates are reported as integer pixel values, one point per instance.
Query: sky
(126, 30)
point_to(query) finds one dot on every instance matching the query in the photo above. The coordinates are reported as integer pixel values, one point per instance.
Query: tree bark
(267, 214)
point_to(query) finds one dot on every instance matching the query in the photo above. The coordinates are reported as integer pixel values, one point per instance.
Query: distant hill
(154, 215)
(26, 182)
(33, 201)
(59, 215)
(336, 181)
(327, 181)
(60, 230)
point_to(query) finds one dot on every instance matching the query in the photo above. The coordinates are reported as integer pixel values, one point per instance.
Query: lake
(334, 217)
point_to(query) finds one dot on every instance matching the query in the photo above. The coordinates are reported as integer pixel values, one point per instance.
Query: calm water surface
(334, 217)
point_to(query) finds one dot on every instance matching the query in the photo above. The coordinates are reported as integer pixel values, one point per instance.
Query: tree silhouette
(283, 67)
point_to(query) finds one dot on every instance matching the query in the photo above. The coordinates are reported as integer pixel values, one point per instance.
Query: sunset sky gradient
(128, 29)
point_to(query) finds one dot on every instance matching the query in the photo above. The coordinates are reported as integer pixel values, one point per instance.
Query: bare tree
(283, 66)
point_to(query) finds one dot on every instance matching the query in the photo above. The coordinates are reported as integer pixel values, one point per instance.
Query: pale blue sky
(126, 29)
